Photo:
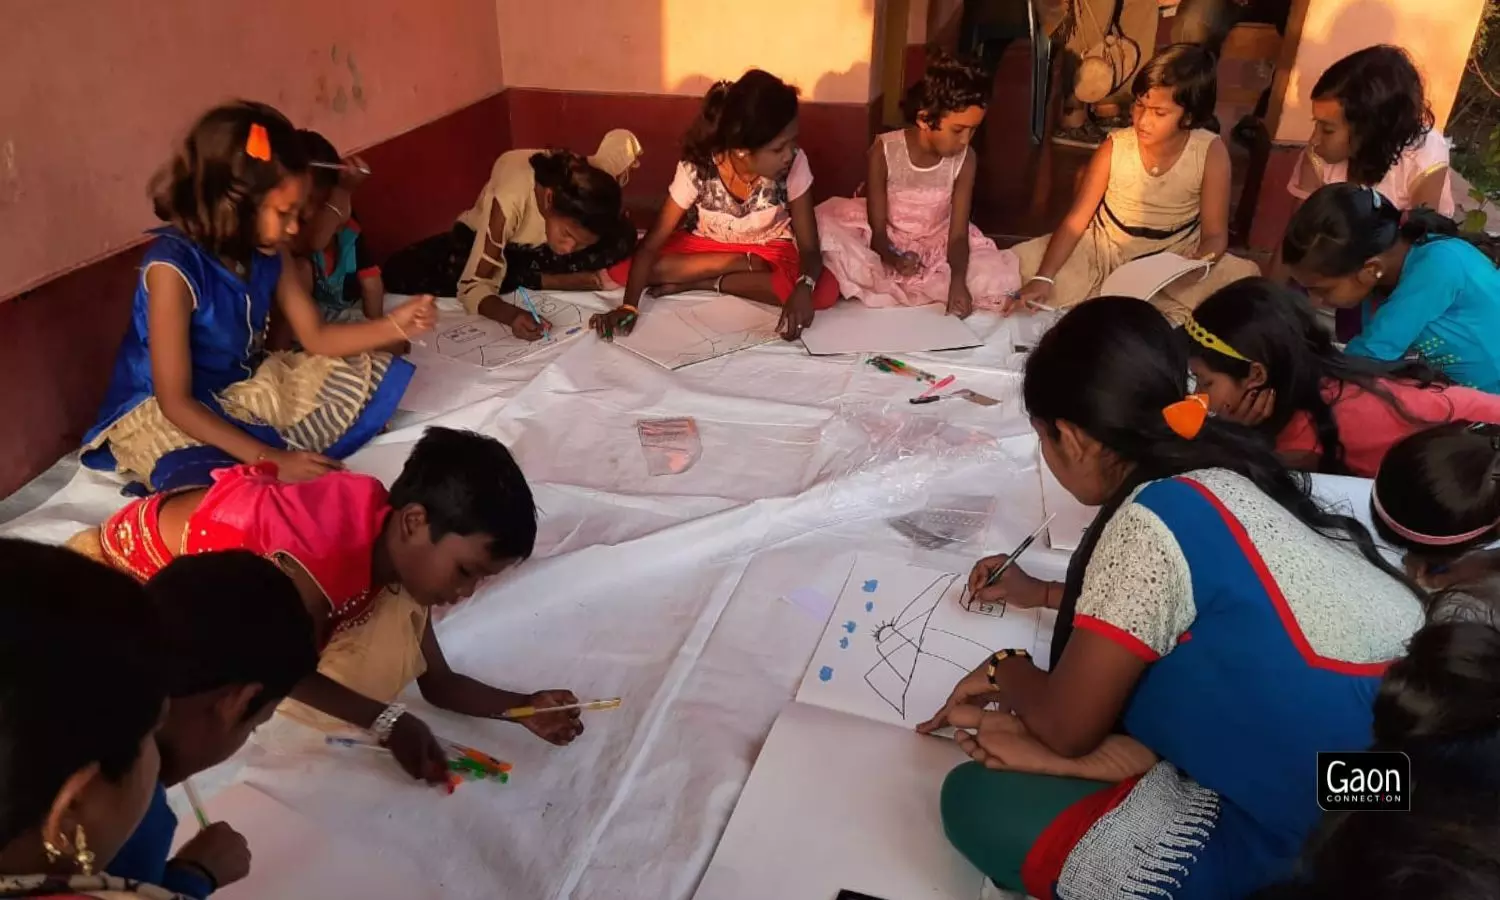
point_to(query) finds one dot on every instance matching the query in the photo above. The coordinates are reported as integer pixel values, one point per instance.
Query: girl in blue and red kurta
(193, 389)
(1213, 611)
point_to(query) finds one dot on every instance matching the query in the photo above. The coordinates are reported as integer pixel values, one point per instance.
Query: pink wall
(97, 91)
(681, 46)
(1437, 33)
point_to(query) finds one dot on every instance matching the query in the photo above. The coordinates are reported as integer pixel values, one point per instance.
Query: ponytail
(701, 141)
(1136, 368)
(745, 115)
(1342, 226)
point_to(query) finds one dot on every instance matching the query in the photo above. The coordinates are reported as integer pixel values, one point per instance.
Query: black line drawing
(482, 342)
(675, 338)
(903, 642)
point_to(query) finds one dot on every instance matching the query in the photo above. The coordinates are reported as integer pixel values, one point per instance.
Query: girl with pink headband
(1437, 496)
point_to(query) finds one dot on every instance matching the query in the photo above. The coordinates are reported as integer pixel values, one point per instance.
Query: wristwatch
(808, 280)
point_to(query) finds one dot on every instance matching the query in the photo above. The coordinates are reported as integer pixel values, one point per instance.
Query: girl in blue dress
(1213, 612)
(193, 389)
(1419, 288)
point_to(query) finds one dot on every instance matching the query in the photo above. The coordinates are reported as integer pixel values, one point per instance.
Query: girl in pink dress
(909, 242)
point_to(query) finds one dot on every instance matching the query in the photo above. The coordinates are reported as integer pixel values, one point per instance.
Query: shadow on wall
(1314, 51)
(1311, 47)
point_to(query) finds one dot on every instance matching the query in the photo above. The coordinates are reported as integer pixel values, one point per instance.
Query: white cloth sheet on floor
(666, 591)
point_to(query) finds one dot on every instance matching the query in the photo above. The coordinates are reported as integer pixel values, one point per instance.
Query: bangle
(399, 330)
(630, 308)
(996, 659)
(1051, 281)
(199, 868)
(385, 723)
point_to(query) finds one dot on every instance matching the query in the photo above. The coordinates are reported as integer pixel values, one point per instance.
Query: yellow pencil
(526, 712)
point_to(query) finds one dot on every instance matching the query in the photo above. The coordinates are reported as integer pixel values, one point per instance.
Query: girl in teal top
(1420, 290)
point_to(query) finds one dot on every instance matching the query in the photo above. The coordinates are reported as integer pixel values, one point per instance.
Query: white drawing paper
(900, 639)
(295, 857)
(836, 802)
(674, 332)
(483, 342)
(1143, 277)
(1070, 518)
(856, 328)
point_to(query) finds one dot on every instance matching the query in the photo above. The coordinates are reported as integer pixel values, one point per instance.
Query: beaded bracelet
(995, 662)
(385, 723)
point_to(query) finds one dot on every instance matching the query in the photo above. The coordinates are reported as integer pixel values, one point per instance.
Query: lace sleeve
(1137, 590)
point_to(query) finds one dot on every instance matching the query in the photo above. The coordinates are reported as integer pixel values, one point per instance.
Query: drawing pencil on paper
(1000, 570)
(526, 712)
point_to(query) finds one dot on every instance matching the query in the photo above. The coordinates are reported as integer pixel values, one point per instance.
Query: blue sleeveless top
(225, 335)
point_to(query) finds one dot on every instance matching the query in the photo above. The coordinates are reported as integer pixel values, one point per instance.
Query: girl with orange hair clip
(193, 389)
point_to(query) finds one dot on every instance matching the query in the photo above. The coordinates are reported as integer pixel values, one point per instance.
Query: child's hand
(526, 328)
(1036, 291)
(796, 314)
(905, 264)
(1254, 407)
(220, 851)
(960, 301)
(1014, 588)
(616, 321)
(415, 316)
(554, 728)
(353, 174)
(418, 751)
(295, 466)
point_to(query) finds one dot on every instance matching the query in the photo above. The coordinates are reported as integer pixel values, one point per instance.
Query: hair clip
(258, 144)
(1208, 340)
(1186, 416)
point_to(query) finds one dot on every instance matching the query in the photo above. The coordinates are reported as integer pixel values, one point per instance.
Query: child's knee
(959, 802)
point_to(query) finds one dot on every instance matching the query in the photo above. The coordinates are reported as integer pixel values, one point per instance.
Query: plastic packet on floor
(671, 445)
(885, 457)
(946, 519)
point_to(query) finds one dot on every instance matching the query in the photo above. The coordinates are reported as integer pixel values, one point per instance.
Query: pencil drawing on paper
(482, 342)
(910, 640)
(674, 338)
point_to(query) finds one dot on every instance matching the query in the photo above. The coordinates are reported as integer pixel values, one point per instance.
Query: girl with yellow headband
(1265, 361)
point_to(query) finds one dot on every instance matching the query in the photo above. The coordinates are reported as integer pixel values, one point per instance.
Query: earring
(53, 854)
(83, 857)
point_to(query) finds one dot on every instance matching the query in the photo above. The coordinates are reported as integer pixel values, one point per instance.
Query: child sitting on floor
(192, 389)
(1437, 497)
(909, 242)
(460, 512)
(1264, 360)
(1372, 126)
(743, 196)
(1161, 185)
(1348, 245)
(334, 264)
(239, 639)
(547, 220)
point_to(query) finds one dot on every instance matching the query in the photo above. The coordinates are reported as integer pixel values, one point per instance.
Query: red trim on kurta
(1278, 599)
(368, 272)
(1132, 644)
(1043, 864)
